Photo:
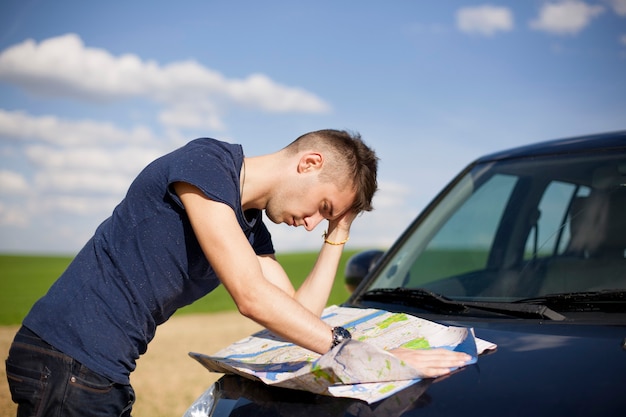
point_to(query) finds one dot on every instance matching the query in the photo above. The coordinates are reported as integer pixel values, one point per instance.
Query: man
(190, 221)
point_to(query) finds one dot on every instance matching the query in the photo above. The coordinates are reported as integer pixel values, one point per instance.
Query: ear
(310, 161)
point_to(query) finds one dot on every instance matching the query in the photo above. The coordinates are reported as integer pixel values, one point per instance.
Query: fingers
(344, 221)
(432, 362)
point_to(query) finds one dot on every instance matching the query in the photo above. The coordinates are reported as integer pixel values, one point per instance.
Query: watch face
(340, 335)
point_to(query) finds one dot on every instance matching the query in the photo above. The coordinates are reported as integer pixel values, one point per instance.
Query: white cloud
(484, 20)
(80, 181)
(260, 91)
(622, 39)
(87, 170)
(566, 17)
(390, 195)
(120, 160)
(77, 166)
(188, 114)
(51, 129)
(618, 6)
(64, 66)
(12, 182)
(13, 216)
(79, 205)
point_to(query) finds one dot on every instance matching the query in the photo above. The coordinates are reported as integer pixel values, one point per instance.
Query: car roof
(588, 143)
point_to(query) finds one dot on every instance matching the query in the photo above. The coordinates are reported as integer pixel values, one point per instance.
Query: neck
(259, 176)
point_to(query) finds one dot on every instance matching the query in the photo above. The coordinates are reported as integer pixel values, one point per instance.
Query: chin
(273, 219)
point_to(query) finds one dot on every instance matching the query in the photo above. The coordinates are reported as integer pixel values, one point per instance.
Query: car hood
(539, 368)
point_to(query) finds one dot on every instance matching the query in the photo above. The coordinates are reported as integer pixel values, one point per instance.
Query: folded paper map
(360, 368)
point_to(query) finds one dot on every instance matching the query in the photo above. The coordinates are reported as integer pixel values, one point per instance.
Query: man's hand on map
(432, 362)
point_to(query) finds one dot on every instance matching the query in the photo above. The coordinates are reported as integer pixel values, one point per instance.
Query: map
(360, 368)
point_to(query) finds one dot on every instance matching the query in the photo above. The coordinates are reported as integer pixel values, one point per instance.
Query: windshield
(512, 230)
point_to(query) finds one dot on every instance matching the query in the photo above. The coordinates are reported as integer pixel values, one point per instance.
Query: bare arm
(272, 305)
(238, 268)
(315, 290)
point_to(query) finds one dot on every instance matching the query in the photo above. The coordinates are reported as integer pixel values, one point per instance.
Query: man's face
(306, 201)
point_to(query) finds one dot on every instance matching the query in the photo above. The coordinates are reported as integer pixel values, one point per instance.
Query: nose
(310, 222)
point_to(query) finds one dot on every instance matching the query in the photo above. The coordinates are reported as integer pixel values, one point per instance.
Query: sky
(91, 92)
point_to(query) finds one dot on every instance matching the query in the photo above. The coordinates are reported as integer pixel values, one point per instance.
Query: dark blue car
(526, 246)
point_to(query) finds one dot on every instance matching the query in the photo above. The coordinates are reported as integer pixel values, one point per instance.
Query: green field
(23, 279)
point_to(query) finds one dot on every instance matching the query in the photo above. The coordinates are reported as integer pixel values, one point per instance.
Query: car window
(516, 229)
(551, 232)
(463, 243)
(454, 239)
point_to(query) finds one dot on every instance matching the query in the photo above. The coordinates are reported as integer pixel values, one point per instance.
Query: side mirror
(358, 266)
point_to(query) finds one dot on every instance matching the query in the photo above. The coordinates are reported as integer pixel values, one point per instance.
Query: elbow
(246, 309)
(259, 302)
(249, 307)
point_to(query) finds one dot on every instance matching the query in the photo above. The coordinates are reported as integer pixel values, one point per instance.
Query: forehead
(340, 199)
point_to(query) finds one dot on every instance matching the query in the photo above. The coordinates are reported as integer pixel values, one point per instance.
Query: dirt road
(167, 380)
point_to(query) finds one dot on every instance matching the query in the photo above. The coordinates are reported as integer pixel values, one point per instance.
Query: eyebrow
(331, 210)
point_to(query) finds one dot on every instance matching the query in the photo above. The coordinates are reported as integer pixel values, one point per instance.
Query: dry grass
(167, 380)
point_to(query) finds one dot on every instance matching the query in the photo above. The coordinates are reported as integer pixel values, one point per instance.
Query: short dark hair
(348, 162)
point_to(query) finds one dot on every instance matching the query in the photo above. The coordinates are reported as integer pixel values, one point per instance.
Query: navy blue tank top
(143, 262)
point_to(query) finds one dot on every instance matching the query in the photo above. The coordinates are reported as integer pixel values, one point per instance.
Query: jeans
(46, 382)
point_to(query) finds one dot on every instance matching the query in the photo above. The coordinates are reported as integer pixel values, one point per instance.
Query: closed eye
(328, 210)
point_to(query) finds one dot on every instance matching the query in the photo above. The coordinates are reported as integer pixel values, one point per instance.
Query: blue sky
(90, 92)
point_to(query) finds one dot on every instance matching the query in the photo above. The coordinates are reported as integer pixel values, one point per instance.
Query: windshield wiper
(417, 297)
(428, 300)
(604, 300)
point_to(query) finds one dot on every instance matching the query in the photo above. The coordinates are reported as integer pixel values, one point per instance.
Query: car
(527, 247)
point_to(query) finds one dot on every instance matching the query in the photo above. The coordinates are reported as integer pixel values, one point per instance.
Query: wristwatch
(340, 335)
